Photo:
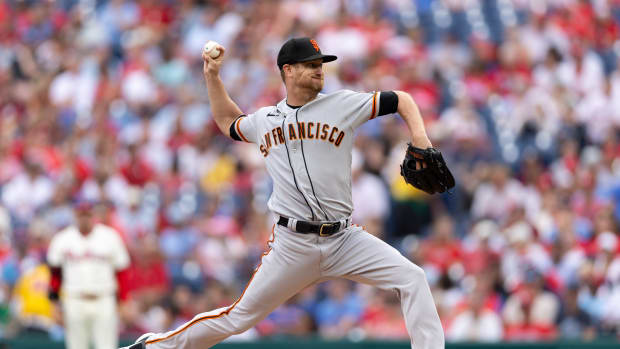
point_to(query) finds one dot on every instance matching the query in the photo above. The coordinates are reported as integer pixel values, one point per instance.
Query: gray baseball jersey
(307, 152)
(308, 155)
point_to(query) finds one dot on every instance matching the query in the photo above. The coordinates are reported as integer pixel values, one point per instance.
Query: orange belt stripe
(225, 312)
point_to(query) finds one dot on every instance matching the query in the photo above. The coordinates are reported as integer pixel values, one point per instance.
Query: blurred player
(84, 259)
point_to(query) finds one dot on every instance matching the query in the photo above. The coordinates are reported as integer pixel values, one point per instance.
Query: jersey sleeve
(244, 128)
(120, 257)
(54, 252)
(369, 105)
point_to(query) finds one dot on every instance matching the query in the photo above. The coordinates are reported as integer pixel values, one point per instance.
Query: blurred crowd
(105, 101)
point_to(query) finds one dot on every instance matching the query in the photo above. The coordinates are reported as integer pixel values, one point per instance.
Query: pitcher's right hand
(211, 66)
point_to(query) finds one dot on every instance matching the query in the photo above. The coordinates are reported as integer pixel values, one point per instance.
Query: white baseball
(209, 48)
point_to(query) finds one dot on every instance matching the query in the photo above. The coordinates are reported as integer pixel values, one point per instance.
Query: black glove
(426, 170)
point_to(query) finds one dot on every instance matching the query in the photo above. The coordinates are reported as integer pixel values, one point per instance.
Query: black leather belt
(323, 229)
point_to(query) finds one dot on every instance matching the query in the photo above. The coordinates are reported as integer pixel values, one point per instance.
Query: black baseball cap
(298, 50)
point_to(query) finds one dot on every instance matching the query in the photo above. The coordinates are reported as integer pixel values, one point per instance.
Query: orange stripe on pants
(225, 312)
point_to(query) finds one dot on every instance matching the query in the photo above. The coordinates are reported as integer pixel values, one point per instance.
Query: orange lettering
(324, 131)
(315, 45)
(280, 134)
(301, 127)
(339, 139)
(310, 124)
(267, 140)
(291, 132)
(275, 137)
(331, 135)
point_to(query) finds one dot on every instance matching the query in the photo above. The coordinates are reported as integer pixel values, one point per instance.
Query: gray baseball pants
(295, 261)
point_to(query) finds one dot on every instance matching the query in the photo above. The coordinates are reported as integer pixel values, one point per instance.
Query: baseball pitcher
(306, 140)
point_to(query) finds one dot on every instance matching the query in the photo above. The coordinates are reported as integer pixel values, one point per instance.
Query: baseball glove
(426, 170)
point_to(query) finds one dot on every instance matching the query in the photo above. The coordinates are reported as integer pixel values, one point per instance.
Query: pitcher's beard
(312, 86)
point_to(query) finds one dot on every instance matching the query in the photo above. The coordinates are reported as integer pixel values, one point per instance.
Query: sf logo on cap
(316, 46)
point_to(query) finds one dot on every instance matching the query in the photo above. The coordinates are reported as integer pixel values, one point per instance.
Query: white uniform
(89, 264)
(308, 155)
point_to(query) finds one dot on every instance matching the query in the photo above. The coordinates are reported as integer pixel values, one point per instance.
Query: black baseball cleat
(140, 342)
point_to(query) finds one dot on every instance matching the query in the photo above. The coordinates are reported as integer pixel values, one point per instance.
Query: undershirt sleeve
(233, 129)
(55, 283)
(388, 102)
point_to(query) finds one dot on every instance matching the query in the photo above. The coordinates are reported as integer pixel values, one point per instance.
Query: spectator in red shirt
(531, 312)
(442, 249)
(382, 318)
(136, 170)
(146, 279)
